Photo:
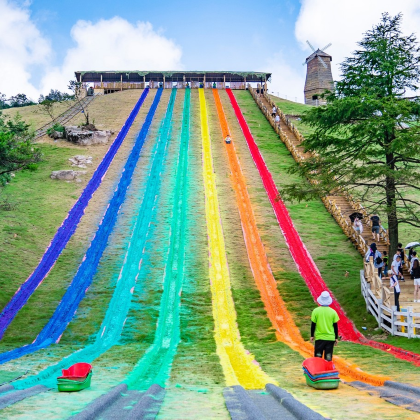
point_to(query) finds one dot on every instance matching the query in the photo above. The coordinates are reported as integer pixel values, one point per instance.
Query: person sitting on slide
(228, 139)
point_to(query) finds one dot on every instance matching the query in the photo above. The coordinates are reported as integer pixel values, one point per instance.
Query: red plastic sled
(77, 372)
(317, 366)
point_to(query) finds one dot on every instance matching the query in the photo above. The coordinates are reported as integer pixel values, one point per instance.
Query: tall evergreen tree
(366, 139)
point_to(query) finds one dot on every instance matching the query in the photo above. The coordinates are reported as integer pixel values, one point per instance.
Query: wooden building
(110, 81)
(318, 77)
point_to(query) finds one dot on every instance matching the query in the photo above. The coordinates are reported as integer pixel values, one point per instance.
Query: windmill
(318, 75)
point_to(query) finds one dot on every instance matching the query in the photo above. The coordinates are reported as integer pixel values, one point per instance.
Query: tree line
(22, 99)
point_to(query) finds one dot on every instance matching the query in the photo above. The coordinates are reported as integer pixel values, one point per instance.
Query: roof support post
(224, 81)
(245, 82)
(144, 82)
(121, 81)
(102, 85)
(80, 78)
(183, 80)
(163, 81)
(204, 81)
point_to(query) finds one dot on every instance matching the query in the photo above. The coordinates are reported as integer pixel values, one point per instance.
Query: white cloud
(343, 23)
(114, 44)
(287, 82)
(22, 47)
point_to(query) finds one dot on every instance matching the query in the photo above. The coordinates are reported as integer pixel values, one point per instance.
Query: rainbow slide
(251, 390)
(112, 325)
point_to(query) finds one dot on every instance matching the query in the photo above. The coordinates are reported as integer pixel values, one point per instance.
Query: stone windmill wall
(318, 78)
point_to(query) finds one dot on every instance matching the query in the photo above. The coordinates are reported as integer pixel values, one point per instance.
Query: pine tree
(366, 139)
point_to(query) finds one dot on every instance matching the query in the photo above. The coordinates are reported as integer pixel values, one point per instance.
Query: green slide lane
(154, 367)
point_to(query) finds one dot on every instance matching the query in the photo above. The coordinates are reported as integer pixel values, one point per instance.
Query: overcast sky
(42, 42)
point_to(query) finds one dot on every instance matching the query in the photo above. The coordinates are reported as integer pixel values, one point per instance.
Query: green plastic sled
(323, 384)
(67, 385)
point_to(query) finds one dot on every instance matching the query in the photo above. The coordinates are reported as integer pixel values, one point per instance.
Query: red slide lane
(303, 260)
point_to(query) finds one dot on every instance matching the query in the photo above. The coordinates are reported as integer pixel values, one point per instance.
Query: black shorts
(324, 348)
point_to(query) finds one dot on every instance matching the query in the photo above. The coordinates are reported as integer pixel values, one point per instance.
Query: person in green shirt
(324, 327)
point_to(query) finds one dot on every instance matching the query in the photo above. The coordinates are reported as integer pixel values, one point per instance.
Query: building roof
(318, 53)
(170, 76)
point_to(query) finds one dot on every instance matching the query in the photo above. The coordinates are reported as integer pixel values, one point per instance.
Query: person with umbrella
(356, 220)
(358, 226)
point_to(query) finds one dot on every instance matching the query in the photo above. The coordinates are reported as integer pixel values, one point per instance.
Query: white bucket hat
(325, 299)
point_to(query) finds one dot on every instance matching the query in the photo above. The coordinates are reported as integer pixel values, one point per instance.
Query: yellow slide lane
(239, 366)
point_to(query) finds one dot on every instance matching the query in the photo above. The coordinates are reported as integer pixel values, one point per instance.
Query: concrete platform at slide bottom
(403, 395)
(272, 403)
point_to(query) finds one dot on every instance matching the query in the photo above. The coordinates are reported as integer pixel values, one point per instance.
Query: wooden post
(121, 82)
(245, 83)
(102, 85)
(379, 312)
(224, 82)
(410, 322)
(80, 78)
(183, 81)
(163, 81)
(204, 81)
(144, 82)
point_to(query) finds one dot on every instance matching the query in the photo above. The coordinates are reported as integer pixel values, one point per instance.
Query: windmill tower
(318, 75)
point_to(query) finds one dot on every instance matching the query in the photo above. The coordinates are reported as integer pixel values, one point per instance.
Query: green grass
(290, 107)
(41, 206)
(297, 110)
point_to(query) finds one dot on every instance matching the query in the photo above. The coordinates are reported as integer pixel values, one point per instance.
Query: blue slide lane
(110, 331)
(66, 230)
(87, 269)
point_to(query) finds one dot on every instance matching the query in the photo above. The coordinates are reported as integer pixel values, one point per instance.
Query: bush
(56, 127)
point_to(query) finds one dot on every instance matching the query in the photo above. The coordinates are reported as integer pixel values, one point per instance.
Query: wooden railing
(299, 156)
(379, 302)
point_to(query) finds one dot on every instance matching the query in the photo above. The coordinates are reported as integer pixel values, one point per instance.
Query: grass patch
(26, 231)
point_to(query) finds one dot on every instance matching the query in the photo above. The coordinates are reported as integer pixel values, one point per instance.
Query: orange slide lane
(286, 329)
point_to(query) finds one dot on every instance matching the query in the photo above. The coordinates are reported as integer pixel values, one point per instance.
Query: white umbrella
(412, 245)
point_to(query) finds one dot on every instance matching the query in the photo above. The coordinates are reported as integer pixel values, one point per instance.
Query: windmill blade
(312, 48)
(327, 46)
(321, 61)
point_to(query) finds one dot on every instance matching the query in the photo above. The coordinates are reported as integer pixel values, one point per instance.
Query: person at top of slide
(324, 327)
